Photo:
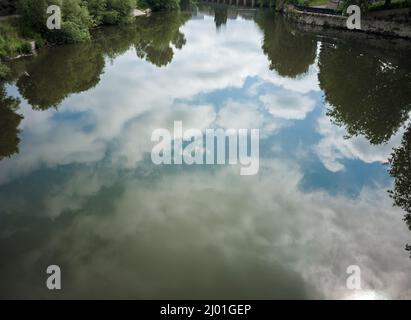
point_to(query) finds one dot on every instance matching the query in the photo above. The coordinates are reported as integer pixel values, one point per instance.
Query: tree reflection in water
(157, 33)
(46, 80)
(56, 73)
(400, 169)
(369, 94)
(367, 90)
(289, 50)
(9, 123)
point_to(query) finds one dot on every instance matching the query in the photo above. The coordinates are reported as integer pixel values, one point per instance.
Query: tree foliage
(368, 93)
(59, 72)
(11, 42)
(289, 51)
(157, 35)
(161, 5)
(110, 11)
(78, 16)
(76, 20)
(54, 74)
(400, 170)
(9, 120)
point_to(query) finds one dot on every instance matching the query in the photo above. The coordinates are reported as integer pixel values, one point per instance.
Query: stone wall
(394, 23)
(398, 15)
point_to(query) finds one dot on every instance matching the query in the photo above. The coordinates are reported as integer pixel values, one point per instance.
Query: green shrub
(4, 71)
(110, 11)
(157, 5)
(11, 42)
(71, 32)
(97, 9)
(76, 19)
(122, 7)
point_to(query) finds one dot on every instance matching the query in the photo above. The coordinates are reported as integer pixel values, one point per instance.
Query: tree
(369, 95)
(159, 5)
(59, 72)
(9, 123)
(54, 74)
(400, 170)
(110, 11)
(220, 16)
(76, 20)
(156, 35)
(289, 51)
(368, 92)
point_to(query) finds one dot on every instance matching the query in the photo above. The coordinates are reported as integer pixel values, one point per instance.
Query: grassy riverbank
(78, 18)
(12, 42)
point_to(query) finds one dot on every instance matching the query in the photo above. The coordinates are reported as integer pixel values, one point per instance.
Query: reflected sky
(82, 192)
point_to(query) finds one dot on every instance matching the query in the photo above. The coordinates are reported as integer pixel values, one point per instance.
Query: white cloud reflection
(334, 147)
(176, 234)
(200, 233)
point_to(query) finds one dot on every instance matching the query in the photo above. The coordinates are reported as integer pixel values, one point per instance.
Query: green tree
(368, 93)
(289, 51)
(76, 20)
(11, 41)
(400, 170)
(49, 78)
(157, 34)
(161, 5)
(56, 73)
(220, 16)
(9, 120)
(110, 11)
(4, 71)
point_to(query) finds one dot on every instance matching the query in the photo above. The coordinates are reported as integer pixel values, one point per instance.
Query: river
(78, 188)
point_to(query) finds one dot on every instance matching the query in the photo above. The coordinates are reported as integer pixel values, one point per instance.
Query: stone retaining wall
(392, 23)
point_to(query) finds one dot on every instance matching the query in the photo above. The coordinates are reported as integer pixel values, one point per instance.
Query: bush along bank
(78, 18)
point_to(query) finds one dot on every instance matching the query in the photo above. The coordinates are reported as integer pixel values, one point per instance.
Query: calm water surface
(78, 188)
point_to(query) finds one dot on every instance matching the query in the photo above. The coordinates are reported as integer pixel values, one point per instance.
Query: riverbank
(23, 28)
(12, 42)
(392, 23)
(15, 44)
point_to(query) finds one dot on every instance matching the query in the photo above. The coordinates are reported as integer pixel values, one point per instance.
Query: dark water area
(78, 188)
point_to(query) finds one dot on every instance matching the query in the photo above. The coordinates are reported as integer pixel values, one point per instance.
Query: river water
(78, 188)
